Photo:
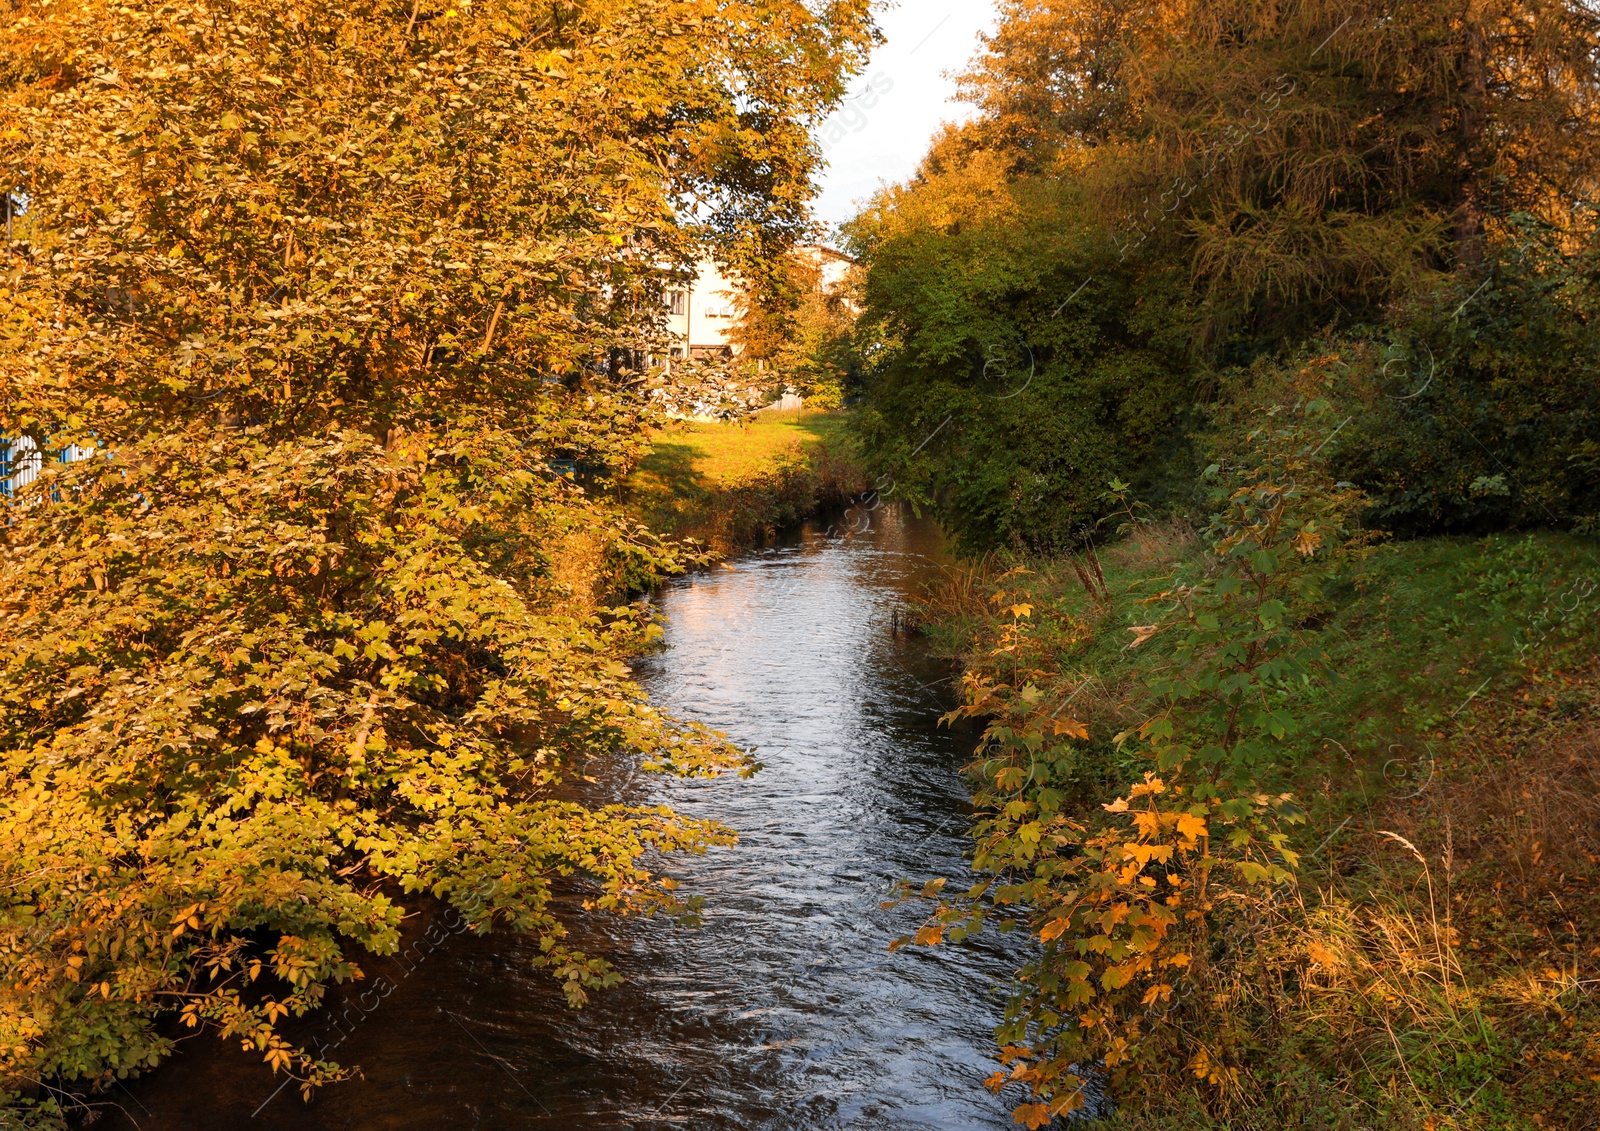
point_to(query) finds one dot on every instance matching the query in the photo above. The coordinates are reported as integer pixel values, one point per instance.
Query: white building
(21, 461)
(702, 315)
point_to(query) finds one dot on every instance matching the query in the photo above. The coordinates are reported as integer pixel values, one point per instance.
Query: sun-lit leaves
(345, 302)
(305, 213)
(1129, 897)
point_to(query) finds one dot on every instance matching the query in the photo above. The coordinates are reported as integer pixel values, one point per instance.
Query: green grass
(1457, 704)
(1426, 630)
(1419, 634)
(730, 484)
(700, 456)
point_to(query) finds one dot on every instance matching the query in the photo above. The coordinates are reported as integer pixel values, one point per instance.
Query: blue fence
(21, 461)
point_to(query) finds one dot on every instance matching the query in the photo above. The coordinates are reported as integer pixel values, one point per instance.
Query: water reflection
(784, 1010)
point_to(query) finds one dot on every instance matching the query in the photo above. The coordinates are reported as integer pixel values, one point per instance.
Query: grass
(732, 484)
(1439, 966)
(695, 455)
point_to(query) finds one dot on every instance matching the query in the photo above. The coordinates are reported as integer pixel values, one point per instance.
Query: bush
(1478, 409)
(1015, 366)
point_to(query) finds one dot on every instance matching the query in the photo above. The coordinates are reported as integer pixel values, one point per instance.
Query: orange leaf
(1162, 992)
(1033, 1116)
(1322, 956)
(1072, 728)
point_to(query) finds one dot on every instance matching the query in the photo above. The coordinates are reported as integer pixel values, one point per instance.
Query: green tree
(1154, 196)
(1013, 366)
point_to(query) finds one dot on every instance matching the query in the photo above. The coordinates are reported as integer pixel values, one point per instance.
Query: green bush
(1001, 324)
(1480, 409)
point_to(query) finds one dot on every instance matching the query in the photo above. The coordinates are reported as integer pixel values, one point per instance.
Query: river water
(785, 1008)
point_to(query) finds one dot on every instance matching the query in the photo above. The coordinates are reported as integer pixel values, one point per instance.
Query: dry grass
(960, 591)
(1153, 547)
(1440, 973)
(1514, 823)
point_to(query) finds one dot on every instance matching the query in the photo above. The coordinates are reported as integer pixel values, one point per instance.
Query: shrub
(1131, 901)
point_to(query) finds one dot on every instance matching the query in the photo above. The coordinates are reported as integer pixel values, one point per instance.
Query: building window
(677, 302)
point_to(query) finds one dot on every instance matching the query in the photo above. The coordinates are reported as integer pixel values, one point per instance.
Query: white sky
(896, 107)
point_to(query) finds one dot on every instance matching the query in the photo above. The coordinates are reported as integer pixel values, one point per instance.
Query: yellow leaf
(1116, 977)
(1053, 929)
(1191, 826)
(1143, 632)
(1120, 805)
(1150, 785)
(1322, 956)
(1072, 728)
(1162, 993)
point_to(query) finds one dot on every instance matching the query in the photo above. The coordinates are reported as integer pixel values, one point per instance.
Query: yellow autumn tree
(329, 295)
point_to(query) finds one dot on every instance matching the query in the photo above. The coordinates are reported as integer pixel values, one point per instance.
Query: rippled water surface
(784, 1010)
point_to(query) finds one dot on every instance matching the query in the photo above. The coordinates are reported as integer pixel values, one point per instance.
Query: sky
(882, 131)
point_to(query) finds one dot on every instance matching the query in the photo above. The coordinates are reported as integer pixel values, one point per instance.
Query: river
(784, 1009)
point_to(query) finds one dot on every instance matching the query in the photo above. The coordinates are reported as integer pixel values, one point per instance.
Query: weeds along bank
(730, 485)
(330, 294)
(1303, 821)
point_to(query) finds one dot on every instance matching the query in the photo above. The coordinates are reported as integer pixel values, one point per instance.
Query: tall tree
(329, 290)
(1307, 155)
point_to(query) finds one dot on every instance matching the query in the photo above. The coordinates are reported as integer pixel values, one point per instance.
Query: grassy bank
(1437, 964)
(730, 485)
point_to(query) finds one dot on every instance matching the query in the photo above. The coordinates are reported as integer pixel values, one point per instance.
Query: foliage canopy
(1155, 196)
(332, 293)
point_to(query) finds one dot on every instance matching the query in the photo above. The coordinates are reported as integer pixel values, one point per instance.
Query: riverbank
(732, 485)
(1435, 966)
